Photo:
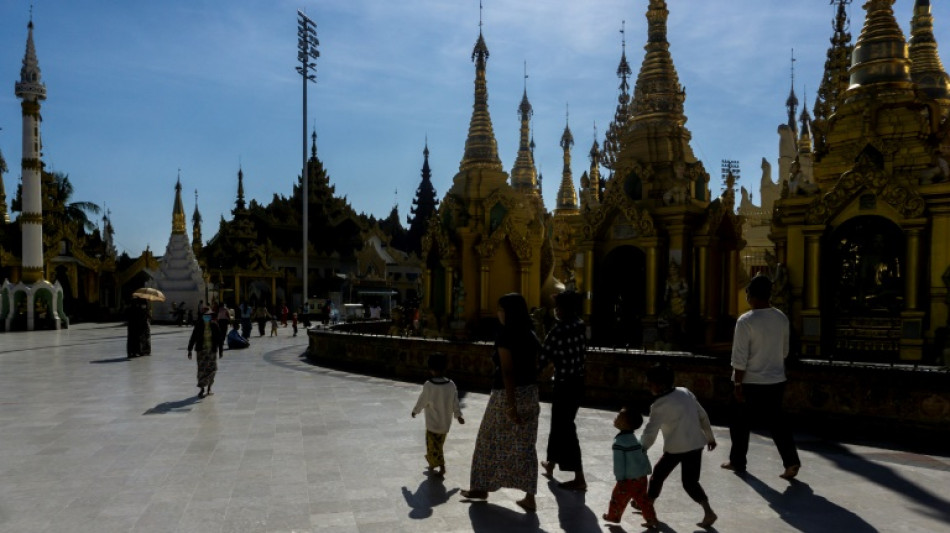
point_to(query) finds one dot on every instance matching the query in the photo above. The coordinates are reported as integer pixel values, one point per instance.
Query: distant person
(631, 467)
(179, 314)
(246, 313)
(293, 322)
(284, 311)
(565, 348)
(206, 339)
(506, 452)
(224, 318)
(759, 349)
(236, 341)
(134, 325)
(147, 328)
(260, 316)
(440, 400)
(375, 312)
(686, 431)
(273, 325)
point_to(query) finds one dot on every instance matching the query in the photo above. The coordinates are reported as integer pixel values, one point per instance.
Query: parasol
(150, 294)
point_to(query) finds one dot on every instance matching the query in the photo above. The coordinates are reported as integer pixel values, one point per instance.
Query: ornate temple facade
(656, 257)
(488, 236)
(255, 257)
(866, 244)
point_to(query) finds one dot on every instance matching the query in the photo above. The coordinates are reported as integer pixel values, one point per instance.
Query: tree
(62, 211)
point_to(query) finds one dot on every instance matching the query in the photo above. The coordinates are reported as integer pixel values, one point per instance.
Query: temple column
(702, 277)
(273, 292)
(427, 293)
(652, 281)
(731, 288)
(484, 304)
(449, 291)
(911, 268)
(813, 267)
(912, 317)
(237, 291)
(588, 283)
(811, 312)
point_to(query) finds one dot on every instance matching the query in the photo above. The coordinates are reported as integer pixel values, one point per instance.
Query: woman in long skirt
(505, 450)
(206, 339)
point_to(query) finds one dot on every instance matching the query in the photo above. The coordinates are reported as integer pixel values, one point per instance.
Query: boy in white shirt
(686, 431)
(440, 400)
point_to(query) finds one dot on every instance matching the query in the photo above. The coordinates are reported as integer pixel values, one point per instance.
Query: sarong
(506, 453)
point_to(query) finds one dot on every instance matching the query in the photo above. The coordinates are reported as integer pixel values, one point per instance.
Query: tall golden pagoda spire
(594, 175)
(566, 194)
(835, 79)
(622, 114)
(524, 175)
(804, 138)
(926, 69)
(880, 55)
(178, 211)
(481, 149)
(657, 92)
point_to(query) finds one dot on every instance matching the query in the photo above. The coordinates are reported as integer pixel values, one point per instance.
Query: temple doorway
(620, 298)
(863, 293)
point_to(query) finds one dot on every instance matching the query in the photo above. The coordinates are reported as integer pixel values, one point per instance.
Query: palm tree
(57, 209)
(63, 211)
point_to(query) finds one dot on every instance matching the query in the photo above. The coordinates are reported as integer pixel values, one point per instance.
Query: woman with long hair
(505, 449)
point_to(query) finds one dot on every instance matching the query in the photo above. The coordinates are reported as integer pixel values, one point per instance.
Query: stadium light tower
(307, 54)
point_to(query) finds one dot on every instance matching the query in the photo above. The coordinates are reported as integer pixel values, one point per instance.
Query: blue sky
(139, 90)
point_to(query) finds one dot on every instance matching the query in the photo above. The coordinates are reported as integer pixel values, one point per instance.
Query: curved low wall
(823, 396)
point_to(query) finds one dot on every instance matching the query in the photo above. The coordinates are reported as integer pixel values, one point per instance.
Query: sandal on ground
(608, 519)
(472, 494)
(790, 472)
(733, 468)
(529, 507)
(548, 469)
(708, 521)
(573, 485)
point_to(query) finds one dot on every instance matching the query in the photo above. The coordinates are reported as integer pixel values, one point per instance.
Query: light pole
(307, 54)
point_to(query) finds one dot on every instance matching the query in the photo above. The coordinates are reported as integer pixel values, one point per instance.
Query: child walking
(631, 467)
(440, 400)
(686, 430)
(273, 325)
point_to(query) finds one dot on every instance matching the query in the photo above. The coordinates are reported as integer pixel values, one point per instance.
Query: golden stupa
(867, 246)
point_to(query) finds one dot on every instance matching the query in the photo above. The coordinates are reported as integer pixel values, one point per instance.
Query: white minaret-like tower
(31, 90)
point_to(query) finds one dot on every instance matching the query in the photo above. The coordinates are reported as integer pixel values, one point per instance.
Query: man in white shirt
(759, 349)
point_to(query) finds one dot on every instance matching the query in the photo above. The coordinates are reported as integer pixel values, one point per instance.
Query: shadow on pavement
(113, 360)
(431, 492)
(181, 406)
(883, 476)
(572, 511)
(487, 517)
(804, 510)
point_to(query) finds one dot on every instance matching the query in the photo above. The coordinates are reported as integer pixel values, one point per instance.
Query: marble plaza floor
(93, 442)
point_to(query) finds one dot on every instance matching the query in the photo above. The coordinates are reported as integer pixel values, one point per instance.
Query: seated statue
(797, 186)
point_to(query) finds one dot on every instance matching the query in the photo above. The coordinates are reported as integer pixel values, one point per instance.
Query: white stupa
(179, 275)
